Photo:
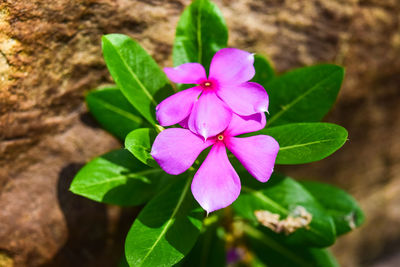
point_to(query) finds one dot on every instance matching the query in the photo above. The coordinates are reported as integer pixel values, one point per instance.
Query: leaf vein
(300, 97)
(141, 85)
(307, 144)
(199, 39)
(170, 220)
(119, 111)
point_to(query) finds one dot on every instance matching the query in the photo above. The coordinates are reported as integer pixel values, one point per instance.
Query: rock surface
(50, 56)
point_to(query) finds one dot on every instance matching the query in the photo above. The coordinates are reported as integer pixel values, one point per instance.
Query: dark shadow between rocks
(96, 235)
(88, 119)
(86, 223)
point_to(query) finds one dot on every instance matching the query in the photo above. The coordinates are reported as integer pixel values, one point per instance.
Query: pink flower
(207, 107)
(216, 184)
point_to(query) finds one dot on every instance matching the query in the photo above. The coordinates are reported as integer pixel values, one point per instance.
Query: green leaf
(136, 74)
(274, 253)
(201, 32)
(285, 197)
(117, 178)
(166, 229)
(209, 249)
(139, 142)
(123, 262)
(306, 142)
(303, 95)
(343, 208)
(111, 109)
(264, 70)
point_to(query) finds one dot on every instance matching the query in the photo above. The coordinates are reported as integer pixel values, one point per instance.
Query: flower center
(220, 137)
(207, 85)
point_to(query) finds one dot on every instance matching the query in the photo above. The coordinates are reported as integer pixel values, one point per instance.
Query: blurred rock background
(50, 55)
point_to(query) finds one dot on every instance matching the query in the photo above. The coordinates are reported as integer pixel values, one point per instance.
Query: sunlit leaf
(201, 32)
(286, 197)
(136, 73)
(306, 142)
(343, 208)
(113, 111)
(139, 143)
(166, 229)
(117, 178)
(304, 94)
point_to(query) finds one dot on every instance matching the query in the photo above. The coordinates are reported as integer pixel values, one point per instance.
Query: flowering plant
(276, 221)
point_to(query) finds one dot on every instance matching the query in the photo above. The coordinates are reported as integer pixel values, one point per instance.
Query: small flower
(234, 255)
(207, 108)
(216, 184)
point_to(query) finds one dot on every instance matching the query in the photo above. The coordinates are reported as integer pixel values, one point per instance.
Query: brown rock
(50, 56)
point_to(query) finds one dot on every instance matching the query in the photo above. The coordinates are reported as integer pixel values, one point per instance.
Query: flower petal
(246, 124)
(176, 149)
(245, 99)
(232, 66)
(216, 184)
(186, 73)
(177, 107)
(185, 123)
(209, 116)
(256, 153)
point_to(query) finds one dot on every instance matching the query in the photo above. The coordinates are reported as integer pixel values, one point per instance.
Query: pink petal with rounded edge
(245, 124)
(245, 99)
(256, 153)
(177, 107)
(186, 73)
(216, 184)
(176, 149)
(232, 66)
(209, 116)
